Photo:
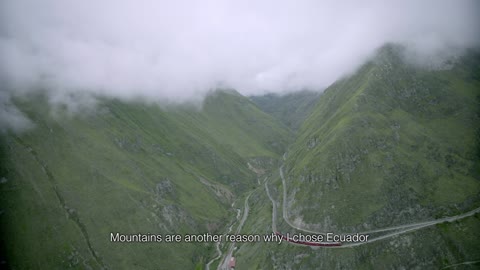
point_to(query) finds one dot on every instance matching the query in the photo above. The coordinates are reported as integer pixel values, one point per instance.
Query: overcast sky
(178, 50)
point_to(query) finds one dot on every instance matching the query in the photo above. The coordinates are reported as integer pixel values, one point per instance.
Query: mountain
(406, 137)
(129, 168)
(394, 144)
(391, 151)
(291, 109)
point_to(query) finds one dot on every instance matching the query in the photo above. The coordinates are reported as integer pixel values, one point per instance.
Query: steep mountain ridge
(388, 145)
(393, 144)
(129, 168)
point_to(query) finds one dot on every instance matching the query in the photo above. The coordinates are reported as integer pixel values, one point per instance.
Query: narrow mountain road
(217, 245)
(459, 264)
(397, 230)
(226, 259)
(219, 252)
(274, 209)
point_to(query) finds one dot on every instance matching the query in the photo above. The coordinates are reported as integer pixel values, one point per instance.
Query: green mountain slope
(128, 168)
(292, 109)
(393, 144)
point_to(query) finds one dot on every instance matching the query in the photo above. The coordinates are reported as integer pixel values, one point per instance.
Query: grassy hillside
(292, 109)
(128, 168)
(392, 144)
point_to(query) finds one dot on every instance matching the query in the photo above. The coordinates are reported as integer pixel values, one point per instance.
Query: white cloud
(12, 119)
(177, 50)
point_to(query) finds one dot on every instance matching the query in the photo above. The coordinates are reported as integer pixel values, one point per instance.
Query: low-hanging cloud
(176, 51)
(11, 118)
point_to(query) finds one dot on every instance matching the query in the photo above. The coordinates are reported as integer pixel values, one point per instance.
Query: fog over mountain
(178, 51)
(253, 134)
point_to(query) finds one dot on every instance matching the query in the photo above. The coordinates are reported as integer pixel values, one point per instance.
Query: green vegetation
(291, 109)
(391, 144)
(128, 168)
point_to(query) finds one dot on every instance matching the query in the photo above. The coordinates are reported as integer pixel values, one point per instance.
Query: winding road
(228, 255)
(392, 231)
(217, 245)
(397, 230)
(274, 208)
(219, 255)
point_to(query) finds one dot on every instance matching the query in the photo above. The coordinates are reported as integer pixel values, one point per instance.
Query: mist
(178, 51)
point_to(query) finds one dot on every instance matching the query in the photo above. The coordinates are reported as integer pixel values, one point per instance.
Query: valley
(391, 151)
